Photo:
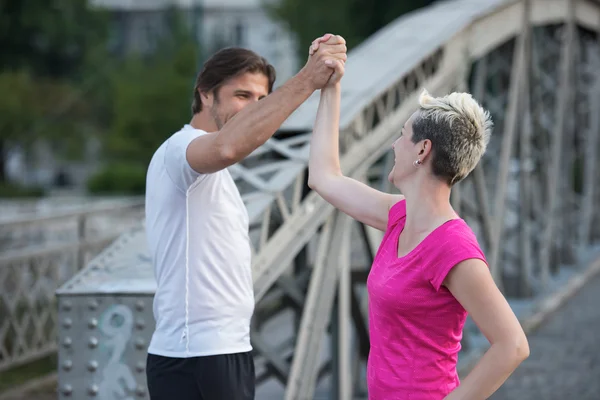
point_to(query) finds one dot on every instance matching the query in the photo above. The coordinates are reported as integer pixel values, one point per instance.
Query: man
(197, 224)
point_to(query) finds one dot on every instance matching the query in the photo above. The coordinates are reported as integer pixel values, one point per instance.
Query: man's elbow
(229, 155)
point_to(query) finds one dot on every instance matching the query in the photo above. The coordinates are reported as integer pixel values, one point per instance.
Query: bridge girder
(535, 64)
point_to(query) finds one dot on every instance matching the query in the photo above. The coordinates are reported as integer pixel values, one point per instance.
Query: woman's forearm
(496, 365)
(324, 143)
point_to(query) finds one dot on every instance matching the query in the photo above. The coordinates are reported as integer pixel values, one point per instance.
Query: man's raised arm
(257, 122)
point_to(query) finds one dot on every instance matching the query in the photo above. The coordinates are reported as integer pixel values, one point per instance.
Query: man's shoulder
(172, 157)
(173, 137)
(185, 135)
(175, 146)
(172, 149)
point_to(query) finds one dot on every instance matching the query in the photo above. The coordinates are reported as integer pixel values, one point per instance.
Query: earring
(417, 163)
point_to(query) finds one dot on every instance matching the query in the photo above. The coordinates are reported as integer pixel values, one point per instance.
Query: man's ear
(207, 98)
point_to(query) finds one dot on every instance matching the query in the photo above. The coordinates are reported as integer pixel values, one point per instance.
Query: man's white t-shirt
(197, 232)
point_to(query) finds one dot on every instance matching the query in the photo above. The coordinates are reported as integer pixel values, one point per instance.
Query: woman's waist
(431, 362)
(416, 378)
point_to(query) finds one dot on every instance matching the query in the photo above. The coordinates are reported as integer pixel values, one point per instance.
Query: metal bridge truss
(535, 64)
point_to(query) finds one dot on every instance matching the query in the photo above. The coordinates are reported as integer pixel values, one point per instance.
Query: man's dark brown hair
(226, 64)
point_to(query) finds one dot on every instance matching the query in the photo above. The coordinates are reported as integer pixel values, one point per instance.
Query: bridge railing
(37, 255)
(514, 56)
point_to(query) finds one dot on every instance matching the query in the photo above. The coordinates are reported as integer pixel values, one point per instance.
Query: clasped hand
(327, 57)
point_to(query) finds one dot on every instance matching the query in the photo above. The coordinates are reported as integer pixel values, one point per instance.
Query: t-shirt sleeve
(451, 250)
(397, 213)
(176, 164)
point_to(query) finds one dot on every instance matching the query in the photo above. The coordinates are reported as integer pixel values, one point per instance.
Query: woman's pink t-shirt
(415, 323)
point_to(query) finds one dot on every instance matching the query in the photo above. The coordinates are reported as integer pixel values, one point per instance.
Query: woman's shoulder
(453, 244)
(397, 213)
(453, 235)
(456, 236)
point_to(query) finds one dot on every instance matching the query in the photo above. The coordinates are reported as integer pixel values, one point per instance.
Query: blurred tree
(355, 20)
(151, 98)
(47, 49)
(49, 38)
(30, 112)
(151, 95)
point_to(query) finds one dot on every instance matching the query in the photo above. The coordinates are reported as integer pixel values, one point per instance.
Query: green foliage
(355, 20)
(47, 48)
(12, 378)
(119, 178)
(8, 190)
(49, 38)
(15, 116)
(31, 111)
(151, 98)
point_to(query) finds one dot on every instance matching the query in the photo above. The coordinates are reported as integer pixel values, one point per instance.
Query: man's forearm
(256, 123)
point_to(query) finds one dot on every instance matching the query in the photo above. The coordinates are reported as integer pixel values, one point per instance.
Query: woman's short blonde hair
(459, 130)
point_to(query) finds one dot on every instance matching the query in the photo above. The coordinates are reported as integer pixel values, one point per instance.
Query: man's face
(236, 94)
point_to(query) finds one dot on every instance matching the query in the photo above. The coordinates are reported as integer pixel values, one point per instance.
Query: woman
(429, 271)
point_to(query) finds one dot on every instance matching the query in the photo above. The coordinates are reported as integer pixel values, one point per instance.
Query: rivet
(93, 323)
(67, 323)
(67, 306)
(93, 390)
(140, 324)
(93, 305)
(140, 367)
(93, 342)
(67, 365)
(140, 343)
(67, 342)
(92, 366)
(67, 390)
(139, 305)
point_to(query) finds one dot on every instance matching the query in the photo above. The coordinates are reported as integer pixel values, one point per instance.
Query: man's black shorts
(218, 377)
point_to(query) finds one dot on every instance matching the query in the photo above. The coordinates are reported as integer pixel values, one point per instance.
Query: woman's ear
(425, 149)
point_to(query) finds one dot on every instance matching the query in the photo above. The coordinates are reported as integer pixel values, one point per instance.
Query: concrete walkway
(565, 354)
(564, 363)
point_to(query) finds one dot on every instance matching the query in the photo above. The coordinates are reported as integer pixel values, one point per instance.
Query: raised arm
(257, 122)
(353, 197)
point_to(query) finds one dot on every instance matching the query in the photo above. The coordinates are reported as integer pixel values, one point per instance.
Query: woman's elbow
(517, 350)
(313, 182)
(317, 180)
(522, 349)
(323, 180)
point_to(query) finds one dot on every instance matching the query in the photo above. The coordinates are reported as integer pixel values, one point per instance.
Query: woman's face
(405, 154)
